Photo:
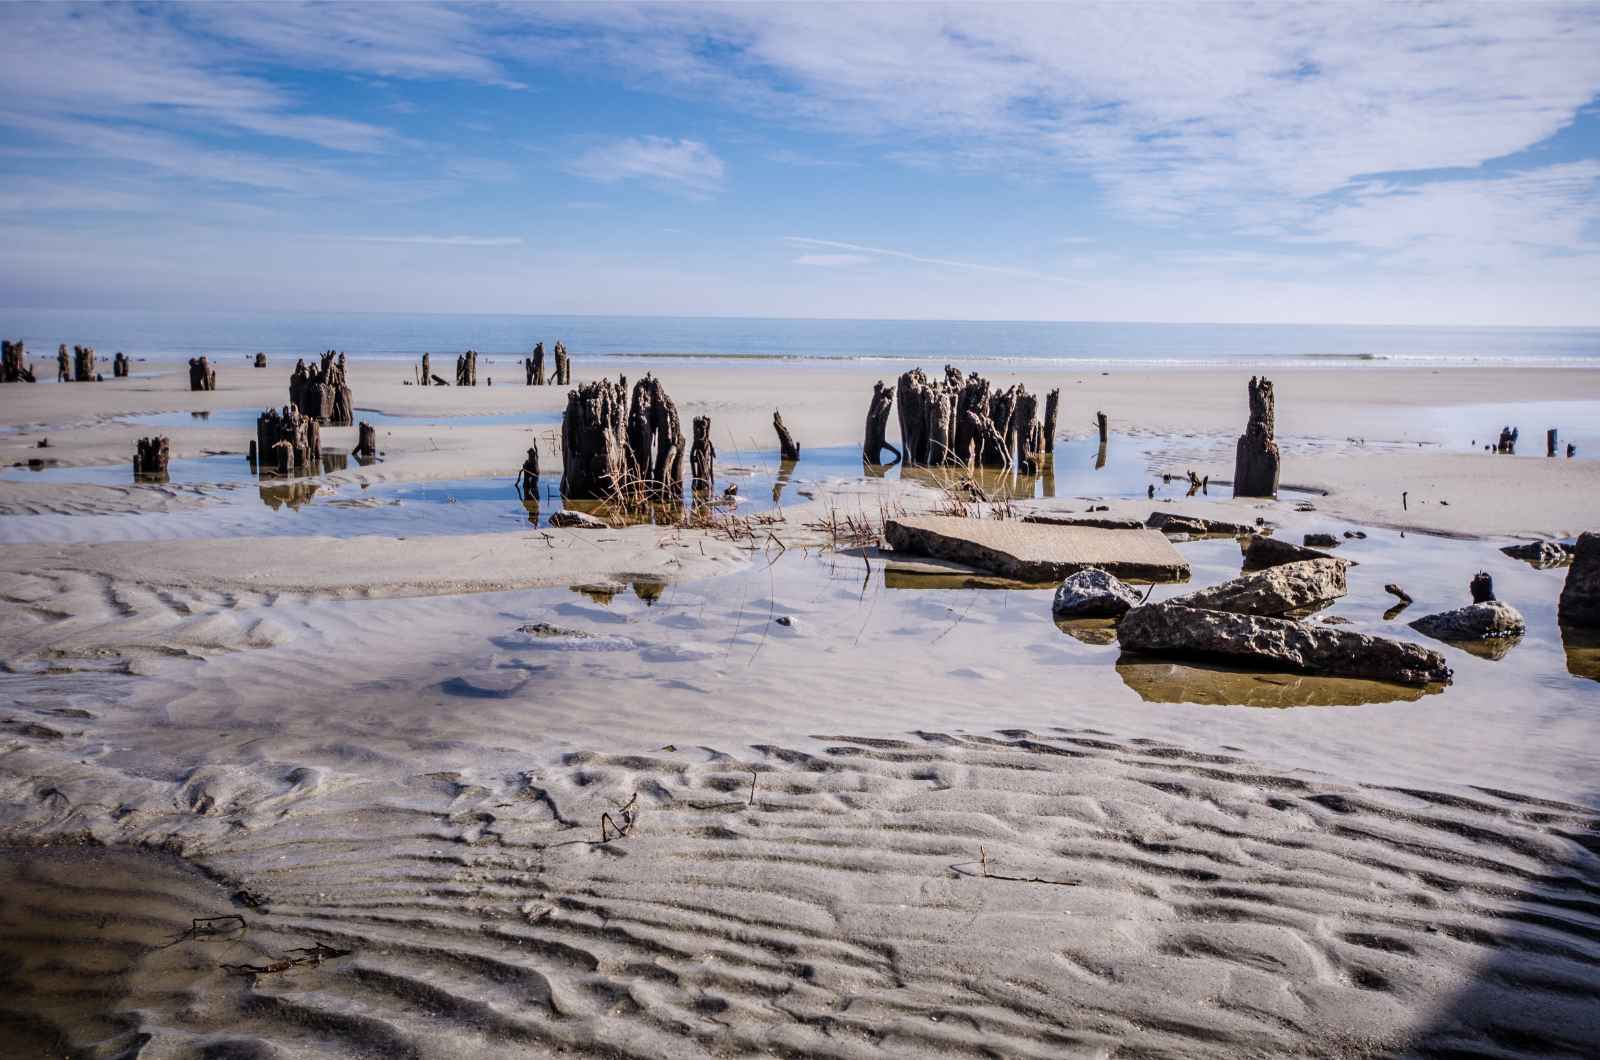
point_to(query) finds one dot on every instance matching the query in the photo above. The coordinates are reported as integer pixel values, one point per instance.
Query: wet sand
(914, 818)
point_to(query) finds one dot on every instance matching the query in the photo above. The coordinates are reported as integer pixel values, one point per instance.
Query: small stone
(571, 520)
(1321, 541)
(1093, 593)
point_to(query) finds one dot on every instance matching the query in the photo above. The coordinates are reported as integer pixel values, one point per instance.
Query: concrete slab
(1037, 552)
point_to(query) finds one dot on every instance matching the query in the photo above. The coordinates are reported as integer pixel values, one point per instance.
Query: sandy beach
(373, 723)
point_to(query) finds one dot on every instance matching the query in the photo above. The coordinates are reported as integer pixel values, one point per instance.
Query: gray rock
(1580, 595)
(1093, 594)
(1274, 591)
(1322, 540)
(1100, 521)
(1033, 552)
(571, 520)
(1541, 553)
(1261, 552)
(1173, 630)
(1170, 523)
(1480, 621)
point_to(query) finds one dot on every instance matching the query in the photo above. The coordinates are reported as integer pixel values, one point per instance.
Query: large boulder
(1274, 591)
(1275, 643)
(1093, 593)
(1261, 552)
(1541, 553)
(1480, 621)
(1580, 596)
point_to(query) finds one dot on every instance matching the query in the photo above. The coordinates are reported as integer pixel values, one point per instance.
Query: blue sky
(1405, 164)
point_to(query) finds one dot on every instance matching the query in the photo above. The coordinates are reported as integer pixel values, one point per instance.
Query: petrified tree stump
(1104, 426)
(321, 392)
(202, 375)
(703, 456)
(119, 365)
(467, 369)
(1255, 463)
(150, 457)
(14, 367)
(563, 365)
(288, 441)
(594, 443)
(927, 419)
(261, 360)
(63, 364)
(83, 364)
(528, 476)
(1029, 434)
(1508, 441)
(788, 448)
(1052, 405)
(655, 439)
(959, 422)
(366, 442)
(427, 371)
(1550, 442)
(536, 366)
(873, 443)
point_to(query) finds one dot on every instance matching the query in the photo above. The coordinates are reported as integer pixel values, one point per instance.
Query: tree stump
(261, 360)
(467, 369)
(655, 440)
(788, 448)
(528, 479)
(1550, 442)
(288, 442)
(594, 444)
(1255, 463)
(427, 371)
(1052, 405)
(321, 393)
(1481, 587)
(83, 364)
(119, 366)
(873, 443)
(927, 420)
(563, 365)
(63, 364)
(703, 456)
(1029, 434)
(1104, 425)
(366, 442)
(536, 366)
(150, 458)
(202, 376)
(14, 367)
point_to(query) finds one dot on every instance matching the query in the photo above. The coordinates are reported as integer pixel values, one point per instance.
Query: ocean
(406, 335)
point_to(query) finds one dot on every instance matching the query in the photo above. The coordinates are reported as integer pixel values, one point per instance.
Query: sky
(1332, 163)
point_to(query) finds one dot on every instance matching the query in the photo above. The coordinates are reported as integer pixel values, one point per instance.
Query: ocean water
(406, 335)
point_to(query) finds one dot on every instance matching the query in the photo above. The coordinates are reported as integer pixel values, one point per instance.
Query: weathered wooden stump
(83, 364)
(202, 375)
(874, 443)
(288, 442)
(261, 360)
(563, 365)
(150, 457)
(962, 422)
(1104, 426)
(1481, 587)
(1052, 405)
(427, 371)
(14, 367)
(536, 366)
(321, 392)
(1508, 441)
(655, 441)
(1255, 463)
(119, 366)
(528, 478)
(1029, 434)
(366, 442)
(927, 419)
(594, 447)
(702, 456)
(788, 448)
(467, 369)
(1550, 442)
(63, 364)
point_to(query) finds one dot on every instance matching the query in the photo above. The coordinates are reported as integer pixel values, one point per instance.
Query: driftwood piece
(261, 360)
(366, 442)
(202, 374)
(288, 442)
(467, 369)
(83, 364)
(655, 440)
(320, 391)
(703, 455)
(528, 476)
(1255, 465)
(535, 366)
(1052, 405)
(594, 445)
(150, 457)
(788, 448)
(874, 443)
(14, 367)
(563, 365)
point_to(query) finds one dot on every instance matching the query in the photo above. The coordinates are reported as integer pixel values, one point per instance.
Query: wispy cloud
(832, 260)
(970, 266)
(442, 241)
(687, 165)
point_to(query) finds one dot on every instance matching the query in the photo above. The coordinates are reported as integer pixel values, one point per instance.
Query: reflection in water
(903, 579)
(1162, 681)
(1047, 477)
(531, 506)
(1583, 651)
(601, 594)
(870, 470)
(150, 478)
(1097, 631)
(289, 495)
(648, 589)
(785, 470)
(1492, 648)
(1100, 457)
(334, 461)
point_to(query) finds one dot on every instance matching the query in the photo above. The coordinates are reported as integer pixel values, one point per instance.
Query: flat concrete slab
(1037, 552)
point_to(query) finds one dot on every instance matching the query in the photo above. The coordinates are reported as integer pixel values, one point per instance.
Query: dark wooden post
(1550, 442)
(788, 448)
(427, 372)
(1104, 425)
(655, 440)
(873, 443)
(202, 376)
(1255, 464)
(1482, 587)
(594, 445)
(83, 364)
(537, 366)
(14, 368)
(528, 478)
(563, 365)
(703, 456)
(1052, 404)
(261, 360)
(150, 458)
(366, 442)
(63, 364)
